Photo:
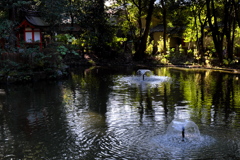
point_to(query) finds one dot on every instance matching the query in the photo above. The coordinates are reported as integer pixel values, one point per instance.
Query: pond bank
(222, 69)
(65, 71)
(33, 76)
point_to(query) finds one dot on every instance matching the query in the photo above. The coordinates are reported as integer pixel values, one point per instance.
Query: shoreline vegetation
(64, 67)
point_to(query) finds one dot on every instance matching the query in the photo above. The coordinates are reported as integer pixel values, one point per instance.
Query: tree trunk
(229, 27)
(216, 35)
(201, 47)
(140, 54)
(12, 16)
(164, 26)
(100, 46)
(72, 17)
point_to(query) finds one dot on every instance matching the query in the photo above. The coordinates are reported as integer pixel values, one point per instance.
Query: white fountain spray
(144, 72)
(184, 129)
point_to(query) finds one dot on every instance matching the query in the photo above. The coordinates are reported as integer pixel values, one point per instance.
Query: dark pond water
(102, 113)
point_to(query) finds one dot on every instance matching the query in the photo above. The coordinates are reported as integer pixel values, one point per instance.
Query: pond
(113, 113)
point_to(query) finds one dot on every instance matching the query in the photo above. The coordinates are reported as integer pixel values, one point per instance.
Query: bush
(177, 58)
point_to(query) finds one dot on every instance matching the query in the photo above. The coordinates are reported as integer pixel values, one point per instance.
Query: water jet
(144, 72)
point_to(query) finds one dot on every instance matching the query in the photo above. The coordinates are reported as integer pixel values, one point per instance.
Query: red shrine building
(31, 30)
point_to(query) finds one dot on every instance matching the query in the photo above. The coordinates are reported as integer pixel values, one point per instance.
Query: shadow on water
(29, 113)
(102, 113)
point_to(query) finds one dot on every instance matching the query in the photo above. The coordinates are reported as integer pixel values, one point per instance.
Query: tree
(198, 25)
(214, 27)
(236, 5)
(139, 55)
(229, 22)
(202, 19)
(102, 30)
(222, 22)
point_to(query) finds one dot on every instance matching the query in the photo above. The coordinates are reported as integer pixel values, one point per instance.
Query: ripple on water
(175, 147)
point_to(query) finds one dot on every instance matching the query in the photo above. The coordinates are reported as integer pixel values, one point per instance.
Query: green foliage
(6, 33)
(32, 60)
(163, 59)
(150, 45)
(119, 39)
(229, 61)
(190, 34)
(237, 37)
(5, 26)
(8, 66)
(62, 50)
(20, 3)
(52, 11)
(66, 38)
(177, 58)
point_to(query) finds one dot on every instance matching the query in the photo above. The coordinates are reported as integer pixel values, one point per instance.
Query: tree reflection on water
(95, 114)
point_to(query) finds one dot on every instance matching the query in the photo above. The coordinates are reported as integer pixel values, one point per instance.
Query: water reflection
(97, 115)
